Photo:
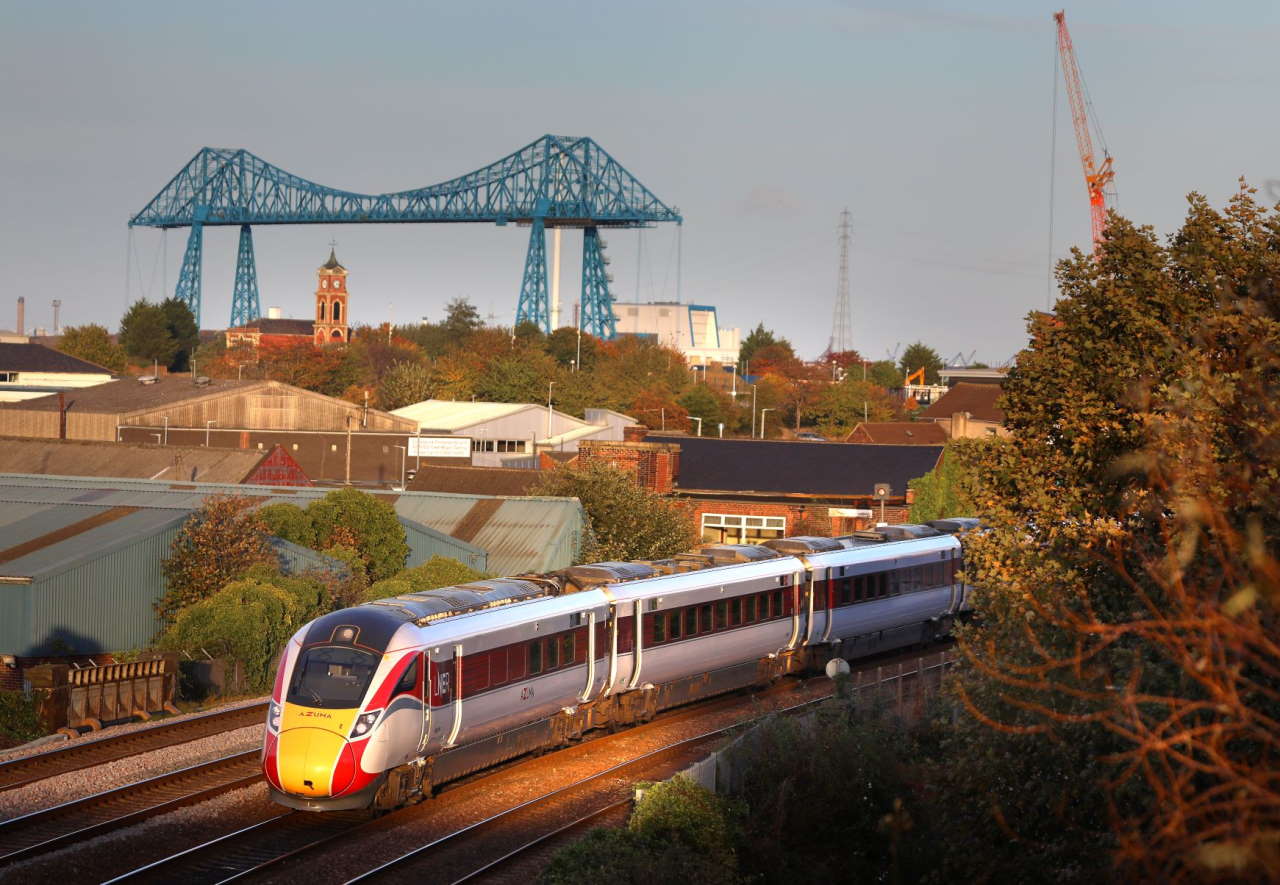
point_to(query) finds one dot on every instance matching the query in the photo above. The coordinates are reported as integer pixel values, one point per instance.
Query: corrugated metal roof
(62, 553)
(522, 535)
(85, 458)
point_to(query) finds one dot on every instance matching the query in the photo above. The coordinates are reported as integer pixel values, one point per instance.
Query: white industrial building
(513, 434)
(31, 370)
(692, 329)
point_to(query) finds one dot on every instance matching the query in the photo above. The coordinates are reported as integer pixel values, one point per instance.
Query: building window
(497, 445)
(729, 528)
(320, 307)
(337, 312)
(8, 377)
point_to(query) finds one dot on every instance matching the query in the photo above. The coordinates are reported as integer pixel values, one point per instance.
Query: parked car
(810, 436)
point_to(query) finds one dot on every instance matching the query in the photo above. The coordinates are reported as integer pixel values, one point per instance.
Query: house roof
(979, 400)
(278, 326)
(38, 358)
(108, 459)
(475, 480)
(332, 263)
(127, 395)
(804, 468)
(901, 433)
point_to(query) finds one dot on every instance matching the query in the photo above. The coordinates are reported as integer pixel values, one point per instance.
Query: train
(374, 706)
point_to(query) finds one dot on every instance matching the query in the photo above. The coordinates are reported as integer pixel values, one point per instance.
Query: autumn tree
(145, 335)
(93, 343)
(351, 518)
(404, 384)
(627, 521)
(218, 543)
(948, 489)
(758, 338)
(885, 373)
(1124, 658)
(843, 405)
(460, 320)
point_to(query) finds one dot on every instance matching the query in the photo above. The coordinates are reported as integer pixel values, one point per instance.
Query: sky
(931, 122)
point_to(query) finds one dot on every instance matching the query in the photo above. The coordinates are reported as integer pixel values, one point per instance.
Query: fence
(79, 697)
(895, 684)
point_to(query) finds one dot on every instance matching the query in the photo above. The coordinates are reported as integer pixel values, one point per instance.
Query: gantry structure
(556, 181)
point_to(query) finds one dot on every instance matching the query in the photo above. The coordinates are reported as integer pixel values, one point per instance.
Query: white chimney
(274, 313)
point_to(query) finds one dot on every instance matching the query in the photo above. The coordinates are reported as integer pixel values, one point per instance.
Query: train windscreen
(332, 677)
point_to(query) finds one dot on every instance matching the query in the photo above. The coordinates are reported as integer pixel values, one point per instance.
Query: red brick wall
(654, 465)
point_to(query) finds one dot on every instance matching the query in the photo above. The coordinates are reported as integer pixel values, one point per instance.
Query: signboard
(850, 512)
(440, 447)
(883, 490)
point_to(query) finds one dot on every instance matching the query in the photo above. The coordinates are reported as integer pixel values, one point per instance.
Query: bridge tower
(534, 306)
(596, 315)
(245, 306)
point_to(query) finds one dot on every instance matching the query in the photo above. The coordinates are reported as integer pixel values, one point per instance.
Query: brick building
(748, 491)
(329, 326)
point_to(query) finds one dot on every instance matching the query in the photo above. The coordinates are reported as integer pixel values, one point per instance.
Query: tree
(564, 346)
(460, 320)
(218, 543)
(920, 356)
(841, 406)
(145, 334)
(776, 359)
(756, 339)
(701, 402)
(183, 330)
(404, 384)
(884, 373)
(93, 343)
(948, 489)
(288, 522)
(1126, 582)
(627, 521)
(436, 572)
(347, 517)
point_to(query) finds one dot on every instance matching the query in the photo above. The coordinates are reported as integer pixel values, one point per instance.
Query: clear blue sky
(760, 121)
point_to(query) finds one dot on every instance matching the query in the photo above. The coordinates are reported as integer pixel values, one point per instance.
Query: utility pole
(550, 384)
(753, 411)
(840, 334)
(347, 480)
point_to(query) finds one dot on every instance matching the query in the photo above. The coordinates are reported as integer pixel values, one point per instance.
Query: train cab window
(735, 612)
(408, 681)
(690, 621)
(535, 658)
(659, 627)
(332, 676)
(722, 615)
(704, 619)
(673, 625)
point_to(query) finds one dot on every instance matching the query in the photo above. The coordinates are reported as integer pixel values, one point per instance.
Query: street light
(762, 414)
(550, 384)
(403, 450)
(753, 410)
(699, 420)
(166, 431)
(207, 425)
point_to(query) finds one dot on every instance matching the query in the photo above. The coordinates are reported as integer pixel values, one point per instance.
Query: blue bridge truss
(557, 181)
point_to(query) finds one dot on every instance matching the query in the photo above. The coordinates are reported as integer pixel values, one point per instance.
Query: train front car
(343, 680)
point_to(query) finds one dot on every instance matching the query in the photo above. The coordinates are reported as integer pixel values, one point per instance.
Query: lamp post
(166, 431)
(207, 425)
(762, 414)
(699, 420)
(753, 411)
(550, 384)
(403, 451)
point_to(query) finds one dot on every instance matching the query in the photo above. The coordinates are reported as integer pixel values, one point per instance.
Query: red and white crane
(1096, 175)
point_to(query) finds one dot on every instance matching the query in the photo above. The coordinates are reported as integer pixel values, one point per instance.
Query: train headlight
(363, 723)
(273, 718)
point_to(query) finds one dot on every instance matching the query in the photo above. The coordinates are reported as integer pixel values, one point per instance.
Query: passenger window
(777, 604)
(674, 624)
(553, 660)
(690, 621)
(535, 658)
(735, 612)
(722, 615)
(409, 681)
(704, 619)
(659, 627)
(750, 605)
(566, 650)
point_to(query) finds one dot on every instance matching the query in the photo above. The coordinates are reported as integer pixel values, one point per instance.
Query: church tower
(331, 303)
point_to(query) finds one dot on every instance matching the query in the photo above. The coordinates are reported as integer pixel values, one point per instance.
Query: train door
(424, 689)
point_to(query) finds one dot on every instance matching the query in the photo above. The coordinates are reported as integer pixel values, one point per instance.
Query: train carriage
(375, 704)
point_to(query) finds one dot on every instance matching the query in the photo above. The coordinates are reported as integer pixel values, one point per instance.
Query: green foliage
(183, 330)
(19, 719)
(883, 373)
(218, 543)
(309, 596)
(252, 619)
(144, 333)
(289, 522)
(347, 517)
(948, 489)
(461, 319)
(627, 521)
(351, 590)
(515, 377)
(93, 343)
(678, 832)
(404, 384)
(701, 402)
(920, 356)
(843, 405)
(757, 338)
(436, 572)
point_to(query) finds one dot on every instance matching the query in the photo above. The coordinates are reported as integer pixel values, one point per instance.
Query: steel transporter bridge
(556, 182)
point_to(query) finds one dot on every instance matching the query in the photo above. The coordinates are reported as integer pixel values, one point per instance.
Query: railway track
(51, 828)
(18, 772)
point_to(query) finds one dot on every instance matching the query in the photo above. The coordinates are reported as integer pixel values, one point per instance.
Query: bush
(436, 572)
(251, 618)
(290, 522)
(309, 595)
(678, 832)
(350, 590)
(19, 718)
(347, 517)
(217, 544)
(387, 587)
